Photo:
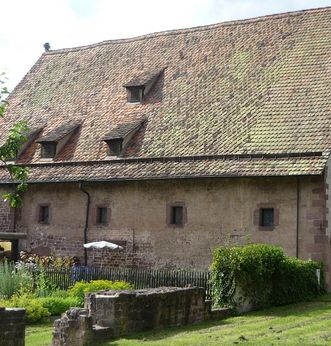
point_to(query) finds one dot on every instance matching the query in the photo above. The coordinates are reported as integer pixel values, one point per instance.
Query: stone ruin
(12, 327)
(113, 314)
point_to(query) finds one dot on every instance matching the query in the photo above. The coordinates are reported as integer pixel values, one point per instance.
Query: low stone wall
(12, 327)
(112, 314)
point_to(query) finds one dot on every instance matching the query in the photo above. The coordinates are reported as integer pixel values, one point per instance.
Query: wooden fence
(141, 278)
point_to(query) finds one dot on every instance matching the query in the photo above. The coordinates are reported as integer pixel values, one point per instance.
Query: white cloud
(26, 25)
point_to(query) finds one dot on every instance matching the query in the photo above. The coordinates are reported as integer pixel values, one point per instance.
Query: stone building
(173, 143)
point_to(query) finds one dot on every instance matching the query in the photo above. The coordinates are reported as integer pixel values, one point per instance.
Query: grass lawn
(298, 324)
(38, 335)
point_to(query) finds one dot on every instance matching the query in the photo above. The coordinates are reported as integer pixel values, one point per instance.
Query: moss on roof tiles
(254, 86)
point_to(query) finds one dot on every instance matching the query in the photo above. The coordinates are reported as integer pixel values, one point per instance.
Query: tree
(8, 152)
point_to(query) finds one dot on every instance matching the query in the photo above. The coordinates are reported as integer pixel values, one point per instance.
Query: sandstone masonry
(12, 327)
(112, 314)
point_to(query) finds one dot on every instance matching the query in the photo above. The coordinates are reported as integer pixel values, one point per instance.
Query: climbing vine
(18, 175)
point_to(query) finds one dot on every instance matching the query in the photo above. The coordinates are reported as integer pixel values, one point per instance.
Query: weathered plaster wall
(219, 211)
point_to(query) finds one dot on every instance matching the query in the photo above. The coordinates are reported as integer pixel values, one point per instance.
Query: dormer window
(48, 150)
(139, 86)
(120, 135)
(52, 142)
(115, 146)
(135, 94)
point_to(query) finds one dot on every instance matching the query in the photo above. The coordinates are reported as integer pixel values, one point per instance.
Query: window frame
(257, 217)
(170, 216)
(119, 142)
(43, 147)
(39, 214)
(263, 212)
(96, 215)
(130, 92)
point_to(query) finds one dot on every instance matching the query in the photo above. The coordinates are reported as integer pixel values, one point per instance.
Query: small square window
(48, 150)
(176, 217)
(102, 216)
(267, 217)
(115, 147)
(135, 94)
(43, 214)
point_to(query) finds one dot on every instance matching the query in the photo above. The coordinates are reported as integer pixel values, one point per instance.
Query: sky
(25, 25)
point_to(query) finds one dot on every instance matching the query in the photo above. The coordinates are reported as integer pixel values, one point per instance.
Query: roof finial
(47, 47)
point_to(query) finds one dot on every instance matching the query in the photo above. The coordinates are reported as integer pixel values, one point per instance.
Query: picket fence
(141, 278)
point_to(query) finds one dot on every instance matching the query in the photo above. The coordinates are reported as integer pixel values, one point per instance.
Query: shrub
(44, 287)
(79, 289)
(262, 274)
(14, 280)
(35, 312)
(56, 306)
(60, 294)
(295, 281)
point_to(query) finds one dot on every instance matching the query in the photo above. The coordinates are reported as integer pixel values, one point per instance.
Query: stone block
(12, 327)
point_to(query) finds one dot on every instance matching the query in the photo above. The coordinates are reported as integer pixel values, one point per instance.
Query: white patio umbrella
(102, 245)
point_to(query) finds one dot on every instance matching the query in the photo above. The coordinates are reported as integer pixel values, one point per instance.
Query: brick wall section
(56, 244)
(12, 327)
(316, 221)
(6, 216)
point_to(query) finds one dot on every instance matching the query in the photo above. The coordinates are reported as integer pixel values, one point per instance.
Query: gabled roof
(257, 86)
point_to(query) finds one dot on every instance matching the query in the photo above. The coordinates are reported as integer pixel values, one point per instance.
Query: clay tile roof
(58, 133)
(256, 86)
(122, 130)
(33, 131)
(142, 169)
(143, 78)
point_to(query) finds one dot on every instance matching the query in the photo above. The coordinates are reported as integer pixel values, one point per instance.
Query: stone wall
(112, 314)
(6, 215)
(218, 211)
(74, 328)
(12, 327)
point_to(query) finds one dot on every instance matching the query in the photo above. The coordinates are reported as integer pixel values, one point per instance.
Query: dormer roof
(144, 78)
(55, 135)
(123, 130)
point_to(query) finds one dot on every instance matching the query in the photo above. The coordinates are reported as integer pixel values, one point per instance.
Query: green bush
(56, 306)
(295, 281)
(79, 289)
(262, 274)
(60, 294)
(13, 280)
(35, 312)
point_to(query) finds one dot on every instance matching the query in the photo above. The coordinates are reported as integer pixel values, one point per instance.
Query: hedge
(262, 275)
(80, 288)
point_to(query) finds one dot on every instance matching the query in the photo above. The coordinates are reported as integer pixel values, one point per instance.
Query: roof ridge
(188, 30)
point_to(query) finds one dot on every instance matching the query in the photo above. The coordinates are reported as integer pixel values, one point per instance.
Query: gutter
(88, 202)
(161, 178)
(298, 217)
